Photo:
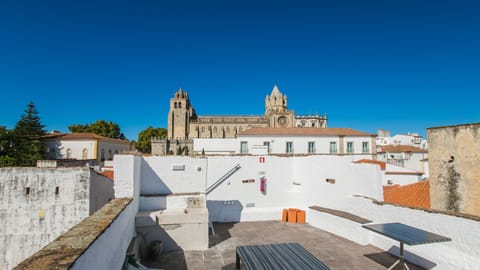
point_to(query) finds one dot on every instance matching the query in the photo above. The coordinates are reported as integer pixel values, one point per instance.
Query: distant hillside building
(455, 168)
(83, 146)
(410, 139)
(184, 124)
(409, 157)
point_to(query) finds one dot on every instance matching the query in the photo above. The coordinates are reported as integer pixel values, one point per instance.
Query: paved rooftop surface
(335, 252)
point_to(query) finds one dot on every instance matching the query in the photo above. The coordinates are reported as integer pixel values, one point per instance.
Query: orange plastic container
(301, 216)
(285, 215)
(292, 215)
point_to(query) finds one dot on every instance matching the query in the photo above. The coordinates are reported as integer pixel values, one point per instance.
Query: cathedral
(184, 125)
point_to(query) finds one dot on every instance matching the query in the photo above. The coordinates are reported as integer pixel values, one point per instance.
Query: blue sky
(397, 65)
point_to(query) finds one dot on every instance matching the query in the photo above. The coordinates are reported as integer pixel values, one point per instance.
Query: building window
(175, 105)
(84, 153)
(313, 124)
(289, 147)
(243, 147)
(333, 147)
(267, 144)
(69, 153)
(311, 147)
(350, 147)
(110, 156)
(116, 152)
(179, 105)
(365, 148)
(102, 157)
(57, 190)
(27, 191)
(203, 129)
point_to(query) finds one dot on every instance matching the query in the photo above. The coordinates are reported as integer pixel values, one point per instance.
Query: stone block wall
(454, 164)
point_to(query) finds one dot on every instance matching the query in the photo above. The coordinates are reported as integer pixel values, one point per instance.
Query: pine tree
(28, 146)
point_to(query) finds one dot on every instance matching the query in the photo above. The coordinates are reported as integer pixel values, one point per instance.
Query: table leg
(237, 262)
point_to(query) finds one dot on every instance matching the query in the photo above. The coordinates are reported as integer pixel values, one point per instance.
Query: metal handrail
(223, 178)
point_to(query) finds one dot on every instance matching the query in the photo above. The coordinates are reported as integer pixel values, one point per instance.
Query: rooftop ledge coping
(342, 214)
(67, 248)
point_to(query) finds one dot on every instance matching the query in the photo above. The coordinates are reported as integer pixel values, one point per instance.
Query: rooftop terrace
(336, 252)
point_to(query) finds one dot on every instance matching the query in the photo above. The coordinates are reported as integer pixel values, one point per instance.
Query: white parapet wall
(109, 249)
(291, 182)
(460, 253)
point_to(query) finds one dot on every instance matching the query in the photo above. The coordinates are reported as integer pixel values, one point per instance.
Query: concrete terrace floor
(336, 252)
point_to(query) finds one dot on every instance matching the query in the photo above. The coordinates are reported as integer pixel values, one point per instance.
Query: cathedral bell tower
(276, 110)
(179, 116)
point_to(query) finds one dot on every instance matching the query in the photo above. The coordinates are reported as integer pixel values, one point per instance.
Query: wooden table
(287, 256)
(405, 234)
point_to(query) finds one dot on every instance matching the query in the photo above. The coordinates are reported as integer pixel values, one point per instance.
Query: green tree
(144, 143)
(27, 138)
(6, 157)
(99, 127)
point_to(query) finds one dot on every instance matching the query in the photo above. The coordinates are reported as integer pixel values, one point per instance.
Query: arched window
(84, 153)
(179, 105)
(69, 153)
(102, 156)
(110, 156)
(175, 105)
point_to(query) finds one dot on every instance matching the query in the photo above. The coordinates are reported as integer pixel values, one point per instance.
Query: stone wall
(454, 166)
(105, 238)
(39, 204)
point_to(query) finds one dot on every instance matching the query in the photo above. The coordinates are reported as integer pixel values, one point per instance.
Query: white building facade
(409, 139)
(292, 141)
(409, 157)
(83, 146)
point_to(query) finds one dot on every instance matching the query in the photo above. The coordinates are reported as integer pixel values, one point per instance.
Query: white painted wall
(461, 253)
(59, 147)
(278, 145)
(29, 222)
(291, 182)
(163, 174)
(109, 250)
(215, 146)
(101, 191)
(127, 178)
(396, 175)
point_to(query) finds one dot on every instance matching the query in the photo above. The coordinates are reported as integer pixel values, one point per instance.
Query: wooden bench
(342, 214)
(277, 256)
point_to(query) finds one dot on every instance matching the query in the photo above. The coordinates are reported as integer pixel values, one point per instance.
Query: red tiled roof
(401, 148)
(76, 136)
(413, 195)
(303, 131)
(108, 174)
(382, 164)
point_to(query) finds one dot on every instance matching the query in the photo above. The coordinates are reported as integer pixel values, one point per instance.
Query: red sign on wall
(261, 159)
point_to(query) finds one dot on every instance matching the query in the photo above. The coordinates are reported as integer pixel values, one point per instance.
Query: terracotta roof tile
(303, 131)
(382, 164)
(108, 174)
(401, 148)
(76, 136)
(413, 195)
